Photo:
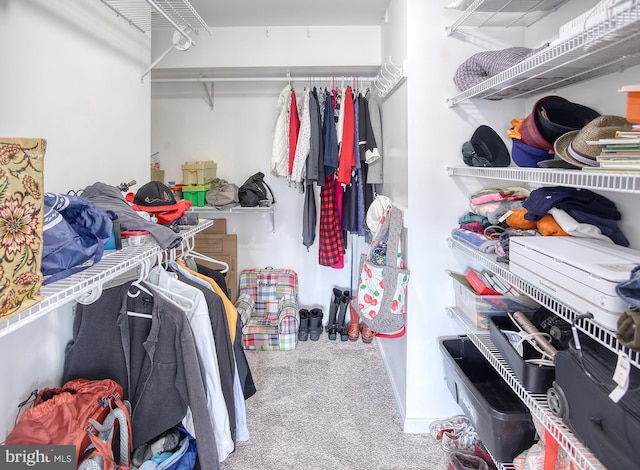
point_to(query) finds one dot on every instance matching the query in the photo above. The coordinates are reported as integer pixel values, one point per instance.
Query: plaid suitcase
(268, 305)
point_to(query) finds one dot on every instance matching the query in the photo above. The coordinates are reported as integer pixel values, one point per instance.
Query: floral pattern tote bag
(21, 207)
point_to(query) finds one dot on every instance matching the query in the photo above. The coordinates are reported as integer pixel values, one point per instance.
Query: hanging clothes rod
(346, 79)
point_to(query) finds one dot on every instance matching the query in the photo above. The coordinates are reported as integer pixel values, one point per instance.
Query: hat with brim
(485, 148)
(529, 129)
(556, 163)
(555, 118)
(525, 155)
(551, 117)
(572, 147)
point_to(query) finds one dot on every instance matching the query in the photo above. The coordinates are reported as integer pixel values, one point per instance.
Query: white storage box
(579, 272)
(199, 173)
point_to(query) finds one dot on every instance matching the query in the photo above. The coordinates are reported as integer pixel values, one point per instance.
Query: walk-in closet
(112, 85)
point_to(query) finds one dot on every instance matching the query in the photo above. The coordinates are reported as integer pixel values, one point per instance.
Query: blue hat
(527, 156)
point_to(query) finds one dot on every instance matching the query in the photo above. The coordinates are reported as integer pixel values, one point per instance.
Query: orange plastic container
(633, 102)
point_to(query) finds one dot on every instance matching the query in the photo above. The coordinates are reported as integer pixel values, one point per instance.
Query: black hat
(485, 148)
(154, 194)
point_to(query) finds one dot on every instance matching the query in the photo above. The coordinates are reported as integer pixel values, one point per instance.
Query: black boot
(342, 314)
(303, 330)
(332, 325)
(315, 324)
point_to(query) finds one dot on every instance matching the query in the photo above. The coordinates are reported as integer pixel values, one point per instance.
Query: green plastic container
(196, 193)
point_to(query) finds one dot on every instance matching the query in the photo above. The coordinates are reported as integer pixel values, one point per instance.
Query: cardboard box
(221, 247)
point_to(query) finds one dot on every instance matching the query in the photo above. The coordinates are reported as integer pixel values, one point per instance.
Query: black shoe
(342, 316)
(315, 324)
(332, 325)
(303, 330)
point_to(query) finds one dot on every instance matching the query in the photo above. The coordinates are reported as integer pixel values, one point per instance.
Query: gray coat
(154, 359)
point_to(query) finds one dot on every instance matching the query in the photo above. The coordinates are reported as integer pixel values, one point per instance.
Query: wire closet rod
(261, 79)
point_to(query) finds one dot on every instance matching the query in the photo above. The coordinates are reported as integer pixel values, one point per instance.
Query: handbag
(255, 190)
(222, 194)
(382, 287)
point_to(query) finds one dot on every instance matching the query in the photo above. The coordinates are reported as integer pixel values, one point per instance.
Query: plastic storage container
(198, 173)
(535, 378)
(196, 194)
(479, 308)
(502, 421)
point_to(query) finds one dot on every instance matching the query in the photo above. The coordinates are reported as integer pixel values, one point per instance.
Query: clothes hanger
(194, 254)
(145, 267)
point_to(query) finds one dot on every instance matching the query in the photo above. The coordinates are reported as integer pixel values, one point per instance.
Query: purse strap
(392, 224)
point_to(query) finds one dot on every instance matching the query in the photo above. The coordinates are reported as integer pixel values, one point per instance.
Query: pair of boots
(337, 314)
(310, 324)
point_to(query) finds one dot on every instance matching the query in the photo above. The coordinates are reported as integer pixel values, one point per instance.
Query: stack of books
(619, 154)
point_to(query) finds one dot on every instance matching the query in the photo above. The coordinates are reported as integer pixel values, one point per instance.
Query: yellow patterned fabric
(21, 207)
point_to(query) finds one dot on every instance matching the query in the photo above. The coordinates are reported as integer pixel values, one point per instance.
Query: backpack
(74, 231)
(222, 194)
(76, 414)
(254, 190)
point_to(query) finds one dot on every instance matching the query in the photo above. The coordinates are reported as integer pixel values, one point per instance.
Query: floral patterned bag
(382, 287)
(21, 202)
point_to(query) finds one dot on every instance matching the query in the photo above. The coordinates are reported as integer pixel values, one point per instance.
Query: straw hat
(572, 147)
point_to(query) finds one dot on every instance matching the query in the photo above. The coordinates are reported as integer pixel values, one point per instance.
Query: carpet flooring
(327, 405)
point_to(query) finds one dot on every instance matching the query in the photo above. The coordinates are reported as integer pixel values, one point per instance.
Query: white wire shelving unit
(537, 403)
(594, 180)
(505, 13)
(147, 15)
(210, 212)
(609, 46)
(113, 264)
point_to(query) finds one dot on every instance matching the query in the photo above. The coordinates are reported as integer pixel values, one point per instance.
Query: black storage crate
(533, 377)
(502, 421)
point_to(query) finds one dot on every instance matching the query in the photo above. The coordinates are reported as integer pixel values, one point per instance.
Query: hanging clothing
(280, 147)
(330, 139)
(331, 245)
(346, 159)
(304, 142)
(374, 170)
(339, 198)
(314, 165)
(199, 319)
(154, 359)
(230, 309)
(309, 216)
(294, 129)
(369, 151)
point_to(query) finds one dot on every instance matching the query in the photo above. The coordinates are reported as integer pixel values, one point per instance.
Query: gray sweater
(154, 359)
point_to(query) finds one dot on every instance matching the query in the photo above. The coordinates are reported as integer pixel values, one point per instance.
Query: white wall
(71, 74)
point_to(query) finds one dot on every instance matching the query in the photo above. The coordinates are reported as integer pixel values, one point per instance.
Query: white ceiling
(220, 13)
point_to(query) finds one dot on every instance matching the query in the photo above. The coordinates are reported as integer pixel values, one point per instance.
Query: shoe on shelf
(353, 331)
(315, 324)
(453, 424)
(303, 329)
(460, 461)
(367, 334)
(463, 441)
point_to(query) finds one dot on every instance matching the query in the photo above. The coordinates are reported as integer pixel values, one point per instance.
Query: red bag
(61, 416)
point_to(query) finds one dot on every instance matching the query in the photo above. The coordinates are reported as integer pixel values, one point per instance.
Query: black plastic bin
(533, 377)
(502, 421)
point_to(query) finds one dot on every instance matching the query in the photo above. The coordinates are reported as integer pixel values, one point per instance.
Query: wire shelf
(603, 181)
(537, 403)
(505, 13)
(585, 325)
(147, 15)
(607, 47)
(112, 264)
